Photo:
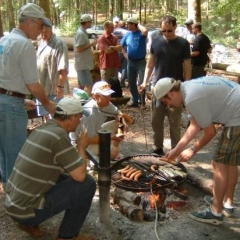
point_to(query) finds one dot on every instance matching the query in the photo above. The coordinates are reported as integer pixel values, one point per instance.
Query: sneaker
(158, 151)
(131, 104)
(228, 212)
(205, 215)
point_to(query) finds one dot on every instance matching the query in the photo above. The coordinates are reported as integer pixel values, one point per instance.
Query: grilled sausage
(127, 170)
(123, 169)
(128, 174)
(154, 168)
(137, 176)
(125, 178)
(134, 174)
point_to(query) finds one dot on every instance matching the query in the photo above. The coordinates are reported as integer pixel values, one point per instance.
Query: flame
(152, 198)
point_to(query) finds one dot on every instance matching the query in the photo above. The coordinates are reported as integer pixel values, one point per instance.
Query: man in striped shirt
(38, 189)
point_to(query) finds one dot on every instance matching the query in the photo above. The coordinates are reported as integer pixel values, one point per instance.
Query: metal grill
(157, 179)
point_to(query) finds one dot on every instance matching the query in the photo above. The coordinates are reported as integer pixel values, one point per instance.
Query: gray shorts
(84, 77)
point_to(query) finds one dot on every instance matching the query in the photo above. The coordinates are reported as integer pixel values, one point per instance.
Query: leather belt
(136, 60)
(11, 93)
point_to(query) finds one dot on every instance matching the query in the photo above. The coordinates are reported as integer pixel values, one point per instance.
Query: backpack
(115, 86)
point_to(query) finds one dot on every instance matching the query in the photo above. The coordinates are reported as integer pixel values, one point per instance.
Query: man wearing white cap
(18, 78)
(100, 113)
(189, 31)
(83, 56)
(50, 176)
(209, 100)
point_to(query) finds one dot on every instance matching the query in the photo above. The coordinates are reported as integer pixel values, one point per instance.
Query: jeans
(123, 69)
(158, 116)
(75, 198)
(13, 132)
(135, 70)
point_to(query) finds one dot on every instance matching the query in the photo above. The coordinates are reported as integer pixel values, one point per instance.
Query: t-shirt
(169, 56)
(37, 169)
(52, 56)
(135, 43)
(82, 60)
(201, 44)
(212, 99)
(18, 65)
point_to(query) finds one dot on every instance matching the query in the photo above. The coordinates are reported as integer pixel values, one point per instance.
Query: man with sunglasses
(169, 57)
(18, 78)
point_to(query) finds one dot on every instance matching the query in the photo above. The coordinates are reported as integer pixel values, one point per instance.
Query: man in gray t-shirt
(209, 100)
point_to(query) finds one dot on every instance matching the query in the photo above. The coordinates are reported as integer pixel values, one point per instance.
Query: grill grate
(143, 162)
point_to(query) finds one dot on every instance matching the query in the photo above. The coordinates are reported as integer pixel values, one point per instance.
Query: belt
(11, 93)
(136, 60)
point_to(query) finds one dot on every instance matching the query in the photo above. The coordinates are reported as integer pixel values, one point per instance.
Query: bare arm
(148, 72)
(79, 173)
(143, 30)
(195, 53)
(61, 82)
(112, 49)
(187, 69)
(38, 92)
(85, 47)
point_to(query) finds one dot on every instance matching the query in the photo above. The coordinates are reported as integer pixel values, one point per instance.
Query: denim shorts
(84, 77)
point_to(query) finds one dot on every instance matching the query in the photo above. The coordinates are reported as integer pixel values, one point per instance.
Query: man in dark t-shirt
(200, 50)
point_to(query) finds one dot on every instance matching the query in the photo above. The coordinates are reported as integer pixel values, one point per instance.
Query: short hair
(197, 25)
(22, 18)
(107, 23)
(169, 20)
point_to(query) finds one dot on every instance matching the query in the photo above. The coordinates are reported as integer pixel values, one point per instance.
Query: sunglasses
(41, 25)
(168, 31)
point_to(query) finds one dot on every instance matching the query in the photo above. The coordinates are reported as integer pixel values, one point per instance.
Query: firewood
(126, 195)
(130, 210)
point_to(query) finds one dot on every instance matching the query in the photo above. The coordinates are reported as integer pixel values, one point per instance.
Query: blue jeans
(135, 70)
(13, 132)
(75, 198)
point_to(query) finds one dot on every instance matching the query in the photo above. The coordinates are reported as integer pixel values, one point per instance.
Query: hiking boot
(205, 215)
(158, 151)
(131, 104)
(228, 212)
(34, 231)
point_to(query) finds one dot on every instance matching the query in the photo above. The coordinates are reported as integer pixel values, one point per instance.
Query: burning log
(128, 203)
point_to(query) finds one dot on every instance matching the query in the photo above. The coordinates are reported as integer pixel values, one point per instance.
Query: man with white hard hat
(208, 100)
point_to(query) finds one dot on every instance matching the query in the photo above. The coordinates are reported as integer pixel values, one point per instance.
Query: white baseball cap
(132, 20)
(188, 21)
(163, 86)
(103, 88)
(69, 106)
(86, 18)
(32, 10)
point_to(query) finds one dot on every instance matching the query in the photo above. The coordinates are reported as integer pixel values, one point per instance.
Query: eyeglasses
(41, 25)
(168, 31)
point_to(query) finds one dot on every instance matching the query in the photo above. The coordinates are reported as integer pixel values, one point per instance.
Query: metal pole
(104, 175)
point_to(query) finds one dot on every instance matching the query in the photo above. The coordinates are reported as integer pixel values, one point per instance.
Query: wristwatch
(59, 86)
(112, 48)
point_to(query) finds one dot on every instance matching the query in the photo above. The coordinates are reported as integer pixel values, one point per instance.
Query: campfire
(155, 194)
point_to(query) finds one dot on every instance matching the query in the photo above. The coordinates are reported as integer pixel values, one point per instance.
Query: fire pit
(153, 173)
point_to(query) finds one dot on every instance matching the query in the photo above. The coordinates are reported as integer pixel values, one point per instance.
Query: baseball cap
(116, 19)
(163, 86)
(188, 21)
(69, 106)
(86, 18)
(32, 10)
(132, 20)
(103, 88)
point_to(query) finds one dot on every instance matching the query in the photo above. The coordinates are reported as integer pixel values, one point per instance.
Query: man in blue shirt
(135, 43)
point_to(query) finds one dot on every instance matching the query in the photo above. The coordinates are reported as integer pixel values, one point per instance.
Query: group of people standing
(45, 175)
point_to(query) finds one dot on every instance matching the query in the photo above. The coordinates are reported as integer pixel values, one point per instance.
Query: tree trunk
(194, 10)
(10, 15)
(1, 23)
(45, 5)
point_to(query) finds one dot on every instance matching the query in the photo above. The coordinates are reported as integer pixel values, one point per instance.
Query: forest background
(220, 18)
